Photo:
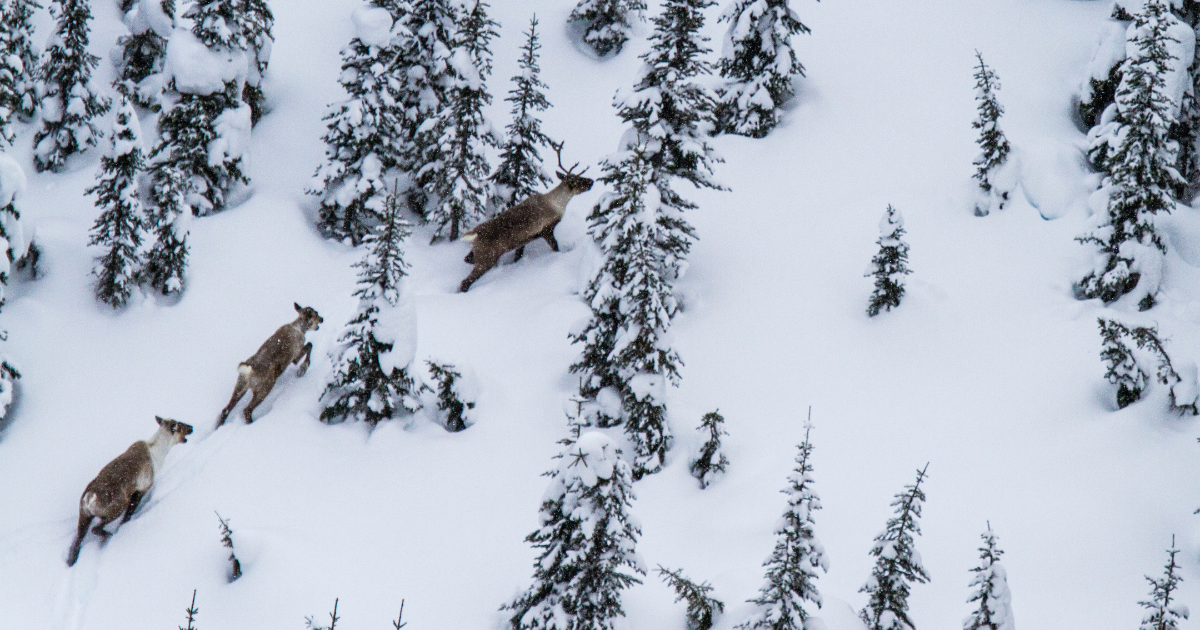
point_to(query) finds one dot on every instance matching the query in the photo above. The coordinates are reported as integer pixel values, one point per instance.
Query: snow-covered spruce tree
(368, 384)
(18, 89)
(897, 565)
(69, 103)
(759, 65)
(1130, 373)
(144, 50)
(257, 20)
(890, 265)
(120, 228)
(1161, 612)
(993, 145)
(702, 608)
(627, 341)
(235, 565)
(1141, 166)
(453, 171)
(520, 173)
(452, 401)
(607, 24)
(16, 230)
(169, 219)
(711, 461)
(586, 542)
(363, 132)
(792, 566)
(994, 610)
(1123, 369)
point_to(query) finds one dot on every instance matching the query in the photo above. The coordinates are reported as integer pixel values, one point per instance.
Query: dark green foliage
(1126, 371)
(186, 131)
(1161, 613)
(520, 173)
(450, 402)
(235, 567)
(168, 220)
(701, 608)
(896, 566)
(120, 228)
(142, 55)
(69, 105)
(18, 93)
(607, 23)
(759, 82)
(711, 461)
(890, 264)
(993, 145)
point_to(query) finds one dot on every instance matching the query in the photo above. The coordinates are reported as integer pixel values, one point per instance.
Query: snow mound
(372, 25)
(196, 69)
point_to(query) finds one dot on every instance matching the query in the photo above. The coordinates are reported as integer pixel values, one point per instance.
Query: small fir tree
(1161, 612)
(607, 24)
(309, 624)
(586, 542)
(450, 399)
(191, 614)
(792, 566)
(144, 50)
(625, 345)
(453, 169)
(367, 385)
(711, 461)
(170, 220)
(759, 66)
(15, 248)
(18, 89)
(1123, 369)
(257, 21)
(120, 228)
(70, 103)
(992, 143)
(897, 565)
(1141, 167)
(362, 137)
(994, 611)
(702, 608)
(890, 265)
(235, 566)
(520, 173)
(1126, 370)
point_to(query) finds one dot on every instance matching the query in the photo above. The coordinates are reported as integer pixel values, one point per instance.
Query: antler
(558, 151)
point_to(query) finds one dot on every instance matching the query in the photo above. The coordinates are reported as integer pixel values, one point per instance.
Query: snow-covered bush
(69, 103)
(455, 395)
(1130, 372)
(169, 219)
(897, 563)
(120, 228)
(702, 608)
(994, 610)
(993, 145)
(607, 24)
(16, 239)
(1163, 612)
(520, 173)
(711, 460)
(587, 542)
(792, 566)
(890, 265)
(371, 380)
(235, 565)
(18, 89)
(143, 51)
(758, 64)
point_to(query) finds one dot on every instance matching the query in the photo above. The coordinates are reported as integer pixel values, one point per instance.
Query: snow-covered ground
(989, 370)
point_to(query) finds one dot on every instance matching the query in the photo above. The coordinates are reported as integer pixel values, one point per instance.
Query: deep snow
(989, 370)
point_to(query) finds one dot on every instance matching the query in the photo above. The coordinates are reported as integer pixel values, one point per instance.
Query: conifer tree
(702, 607)
(1142, 173)
(1161, 612)
(16, 230)
(1123, 369)
(367, 383)
(144, 50)
(897, 566)
(18, 90)
(890, 265)
(607, 23)
(169, 218)
(994, 610)
(798, 554)
(454, 403)
(992, 143)
(520, 173)
(362, 139)
(759, 65)
(257, 21)
(70, 103)
(631, 301)
(586, 542)
(188, 131)
(711, 461)
(120, 227)
(453, 169)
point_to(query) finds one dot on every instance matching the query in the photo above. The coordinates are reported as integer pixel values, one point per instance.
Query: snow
(148, 15)
(196, 69)
(398, 325)
(372, 25)
(233, 136)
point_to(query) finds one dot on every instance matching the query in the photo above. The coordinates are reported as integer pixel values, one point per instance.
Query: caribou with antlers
(535, 217)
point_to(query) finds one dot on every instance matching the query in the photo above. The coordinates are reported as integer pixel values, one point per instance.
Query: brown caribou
(259, 373)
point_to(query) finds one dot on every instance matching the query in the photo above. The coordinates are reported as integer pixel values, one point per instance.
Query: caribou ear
(298, 307)
(159, 420)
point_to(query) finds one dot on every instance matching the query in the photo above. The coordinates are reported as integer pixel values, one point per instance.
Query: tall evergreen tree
(454, 169)
(607, 23)
(120, 227)
(627, 342)
(1141, 167)
(18, 89)
(798, 554)
(169, 219)
(257, 21)
(520, 173)
(993, 145)
(144, 50)
(367, 383)
(70, 103)
(897, 565)
(187, 134)
(890, 265)
(711, 461)
(759, 65)
(586, 542)
(363, 136)
(1161, 613)
(994, 610)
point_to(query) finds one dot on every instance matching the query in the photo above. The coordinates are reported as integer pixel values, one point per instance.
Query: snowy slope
(989, 370)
